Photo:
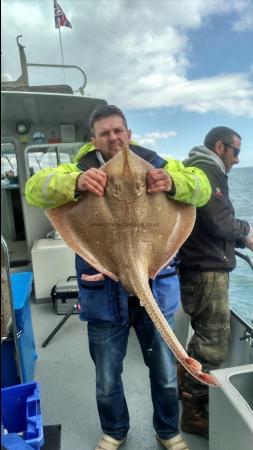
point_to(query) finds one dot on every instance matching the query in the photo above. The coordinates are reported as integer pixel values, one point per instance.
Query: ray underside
(129, 235)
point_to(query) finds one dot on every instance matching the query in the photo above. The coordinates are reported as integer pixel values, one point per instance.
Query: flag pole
(61, 21)
(62, 58)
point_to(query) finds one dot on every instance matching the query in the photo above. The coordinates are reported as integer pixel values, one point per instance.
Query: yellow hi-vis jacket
(53, 187)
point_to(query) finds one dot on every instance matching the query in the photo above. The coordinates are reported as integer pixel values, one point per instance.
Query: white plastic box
(52, 260)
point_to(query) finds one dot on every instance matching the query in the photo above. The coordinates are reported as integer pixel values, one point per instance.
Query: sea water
(241, 279)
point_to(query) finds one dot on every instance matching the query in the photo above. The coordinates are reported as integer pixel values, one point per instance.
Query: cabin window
(50, 155)
(9, 173)
(12, 222)
(41, 160)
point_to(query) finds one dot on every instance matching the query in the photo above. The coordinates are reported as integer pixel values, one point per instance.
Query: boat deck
(66, 376)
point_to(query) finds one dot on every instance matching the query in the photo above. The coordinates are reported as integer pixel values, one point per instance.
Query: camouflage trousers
(204, 297)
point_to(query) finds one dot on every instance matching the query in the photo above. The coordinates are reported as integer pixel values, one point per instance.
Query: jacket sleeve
(217, 216)
(49, 188)
(191, 183)
(53, 187)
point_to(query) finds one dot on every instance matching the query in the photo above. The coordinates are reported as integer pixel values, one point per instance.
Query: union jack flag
(59, 17)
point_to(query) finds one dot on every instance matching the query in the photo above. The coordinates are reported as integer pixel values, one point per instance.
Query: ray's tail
(191, 365)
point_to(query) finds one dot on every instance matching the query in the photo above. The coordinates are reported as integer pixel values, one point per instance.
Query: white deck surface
(66, 376)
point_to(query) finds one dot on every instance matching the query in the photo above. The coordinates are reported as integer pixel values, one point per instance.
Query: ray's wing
(82, 226)
(176, 221)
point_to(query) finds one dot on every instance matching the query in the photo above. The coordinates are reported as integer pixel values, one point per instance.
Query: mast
(22, 81)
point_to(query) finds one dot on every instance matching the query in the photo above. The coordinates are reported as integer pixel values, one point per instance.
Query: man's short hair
(223, 134)
(105, 111)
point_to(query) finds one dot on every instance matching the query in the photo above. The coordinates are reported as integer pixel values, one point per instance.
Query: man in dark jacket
(207, 257)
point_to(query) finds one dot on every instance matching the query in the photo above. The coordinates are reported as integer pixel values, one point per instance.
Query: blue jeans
(108, 344)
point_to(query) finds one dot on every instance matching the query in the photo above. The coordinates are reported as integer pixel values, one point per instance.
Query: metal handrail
(6, 266)
(22, 81)
(64, 66)
(246, 258)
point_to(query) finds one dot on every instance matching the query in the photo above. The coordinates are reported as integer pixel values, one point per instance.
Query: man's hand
(158, 181)
(93, 180)
(249, 239)
(249, 244)
(96, 277)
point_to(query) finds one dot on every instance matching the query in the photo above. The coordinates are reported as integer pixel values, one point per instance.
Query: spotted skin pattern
(129, 235)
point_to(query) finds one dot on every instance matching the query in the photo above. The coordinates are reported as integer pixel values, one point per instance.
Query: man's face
(110, 136)
(230, 153)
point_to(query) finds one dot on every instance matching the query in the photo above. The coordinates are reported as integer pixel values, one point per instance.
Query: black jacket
(90, 159)
(216, 233)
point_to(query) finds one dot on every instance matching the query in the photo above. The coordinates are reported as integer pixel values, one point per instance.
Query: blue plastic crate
(21, 412)
(12, 441)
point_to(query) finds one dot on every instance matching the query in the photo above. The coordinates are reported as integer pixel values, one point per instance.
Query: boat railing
(23, 83)
(65, 66)
(248, 335)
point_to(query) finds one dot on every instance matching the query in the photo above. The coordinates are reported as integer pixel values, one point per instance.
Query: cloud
(17, 12)
(135, 54)
(245, 23)
(244, 20)
(230, 93)
(149, 139)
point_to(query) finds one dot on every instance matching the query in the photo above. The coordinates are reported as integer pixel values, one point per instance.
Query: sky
(177, 68)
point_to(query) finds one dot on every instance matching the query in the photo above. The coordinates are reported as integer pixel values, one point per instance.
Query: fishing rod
(246, 258)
